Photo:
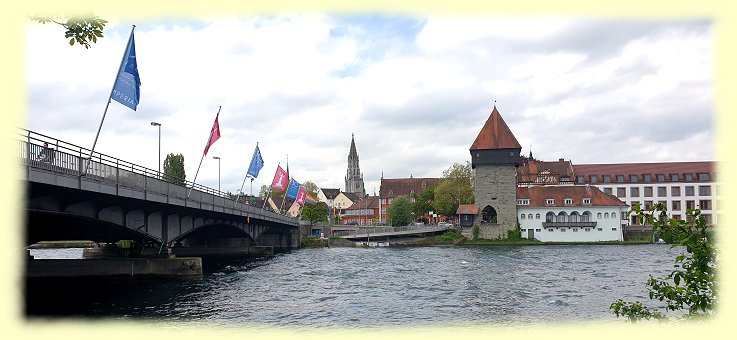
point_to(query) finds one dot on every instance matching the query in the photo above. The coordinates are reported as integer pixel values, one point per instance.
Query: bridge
(74, 194)
(369, 232)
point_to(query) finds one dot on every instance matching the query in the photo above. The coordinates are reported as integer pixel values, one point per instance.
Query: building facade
(363, 212)
(678, 185)
(391, 188)
(354, 177)
(495, 154)
(570, 214)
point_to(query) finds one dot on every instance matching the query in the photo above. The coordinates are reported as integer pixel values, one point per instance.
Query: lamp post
(218, 158)
(159, 125)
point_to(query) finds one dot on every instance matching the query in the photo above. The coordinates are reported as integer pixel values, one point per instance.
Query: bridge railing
(71, 159)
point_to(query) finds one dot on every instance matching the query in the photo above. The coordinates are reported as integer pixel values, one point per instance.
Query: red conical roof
(495, 135)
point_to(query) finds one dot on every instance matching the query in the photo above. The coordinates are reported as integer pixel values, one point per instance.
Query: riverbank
(63, 244)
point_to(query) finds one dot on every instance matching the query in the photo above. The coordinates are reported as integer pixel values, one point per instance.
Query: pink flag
(301, 196)
(280, 179)
(214, 133)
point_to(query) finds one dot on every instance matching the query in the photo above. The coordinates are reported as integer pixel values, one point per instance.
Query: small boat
(660, 241)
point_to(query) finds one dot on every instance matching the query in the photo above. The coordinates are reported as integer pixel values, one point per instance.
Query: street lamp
(218, 158)
(159, 125)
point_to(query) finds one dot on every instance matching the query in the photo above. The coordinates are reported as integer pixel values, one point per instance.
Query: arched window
(573, 217)
(586, 216)
(537, 216)
(606, 215)
(530, 216)
(598, 216)
(561, 217)
(488, 215)
(522, 217)
(549, 217)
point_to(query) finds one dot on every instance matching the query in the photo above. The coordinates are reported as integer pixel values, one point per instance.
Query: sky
(414, 90)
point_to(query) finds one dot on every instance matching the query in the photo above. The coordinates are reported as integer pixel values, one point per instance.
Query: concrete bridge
(376, 232)
(74, 195)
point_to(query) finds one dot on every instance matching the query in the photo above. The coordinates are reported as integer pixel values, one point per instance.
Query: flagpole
(109, 99)
(269, 192)
(203, 156)
(285, 191)
(244, 179)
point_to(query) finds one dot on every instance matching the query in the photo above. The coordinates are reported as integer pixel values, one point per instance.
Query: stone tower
(494, 157)
(354, 177)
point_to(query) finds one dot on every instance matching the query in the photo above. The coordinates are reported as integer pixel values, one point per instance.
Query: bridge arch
(46, 225)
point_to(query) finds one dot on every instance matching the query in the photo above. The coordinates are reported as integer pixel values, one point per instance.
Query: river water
(375, 287)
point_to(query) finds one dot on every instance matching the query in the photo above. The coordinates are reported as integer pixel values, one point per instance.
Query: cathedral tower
(494, 157)
(354, 177)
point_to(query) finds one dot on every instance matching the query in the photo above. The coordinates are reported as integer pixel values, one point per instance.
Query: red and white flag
(214, 133)
(301, 196)
(280, 179)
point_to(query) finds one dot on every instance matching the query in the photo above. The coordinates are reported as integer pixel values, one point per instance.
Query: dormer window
(587, 201)
(424, 184)
(523, 202)
(568, 201)
(549, 201)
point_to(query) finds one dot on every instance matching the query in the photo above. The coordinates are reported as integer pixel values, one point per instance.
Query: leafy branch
(80, 29)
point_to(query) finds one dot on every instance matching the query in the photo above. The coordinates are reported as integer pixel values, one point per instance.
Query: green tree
(423, 202)
(80, 29)
(174, 169)
(264, 191)
(274, 192)
(690, 287)
(310, 188)
(315, 212)
(453, 189)
(400, 211)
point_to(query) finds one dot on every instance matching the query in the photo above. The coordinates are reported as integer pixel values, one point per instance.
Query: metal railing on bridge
(363, 231)
(67, 158)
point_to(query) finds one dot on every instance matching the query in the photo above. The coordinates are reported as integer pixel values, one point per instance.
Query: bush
(475, 232)
(449, 235)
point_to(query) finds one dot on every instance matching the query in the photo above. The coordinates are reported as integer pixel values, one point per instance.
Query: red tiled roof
(393, 187)
(467, 209)
(495, 135)
(529, 170)
(639, 169)
(539, 194)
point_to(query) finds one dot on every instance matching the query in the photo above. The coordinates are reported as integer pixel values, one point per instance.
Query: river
(375, 287)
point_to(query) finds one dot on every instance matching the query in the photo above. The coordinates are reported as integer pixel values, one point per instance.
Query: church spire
(353, 153)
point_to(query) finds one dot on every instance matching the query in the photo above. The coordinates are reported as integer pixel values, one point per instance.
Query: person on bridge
(47, 154)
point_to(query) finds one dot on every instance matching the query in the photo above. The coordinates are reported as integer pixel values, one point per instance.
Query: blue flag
(256, 163)
(127, 89)
(293, 189)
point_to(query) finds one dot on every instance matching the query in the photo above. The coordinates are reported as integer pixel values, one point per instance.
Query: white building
(569, 213)
(678, 185)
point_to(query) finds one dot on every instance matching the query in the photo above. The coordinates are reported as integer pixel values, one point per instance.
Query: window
(538, 230)
(606, 215)
(579, 179)
(563, 230)
(634, 221)
(575, 230)
(633, 178)
(598, 229)
(391, 193)
(624, 216)
(608, 191)
(674, 177)
(704, 190)
(522, 217)
(620, 178)
(703, 177)
(676, 216)
(621, 192)
(707, 218)
(587, 229)
(523, 230)
(587, 201)
(593, 179)
(607, 179)
(529, 216)
(689, 190)
(550, 230)
(648, 192)
(648, 205)
(549, 201)
(688, 177)
(646, 177)
(598, 215)
(661, 178)
(568, 201)
(614, 229)
(549, 217)
(662, 191)
(523, 202)
(690, 205)
(537, 216)
(675, 191)
(705, 204)
(634, 192)
(676, 205)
